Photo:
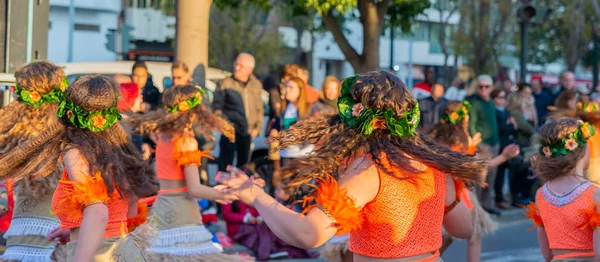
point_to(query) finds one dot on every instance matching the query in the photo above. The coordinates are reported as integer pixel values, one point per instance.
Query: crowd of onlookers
(503, 113)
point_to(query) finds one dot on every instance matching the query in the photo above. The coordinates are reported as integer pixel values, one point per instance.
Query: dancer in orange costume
(181, 234)
(566, 211)
(453, 131)
(377, 178)
(39, 85)
(103, 172)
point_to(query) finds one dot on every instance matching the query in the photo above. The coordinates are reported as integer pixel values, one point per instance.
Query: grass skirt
(181, 236)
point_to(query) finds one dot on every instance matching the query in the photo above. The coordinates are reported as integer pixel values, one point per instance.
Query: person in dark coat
(506, 133)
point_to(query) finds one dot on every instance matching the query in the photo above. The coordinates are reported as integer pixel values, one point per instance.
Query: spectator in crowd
(506, 133)
(330, 91)
(482, 120)
(180, 73)
(567, 100)
(596, 94)
(151, 96)
(131, 101)
(431, 108)
(312, 95)
(457, 92)
(567, 83)
(423, 89)
(542, 99)
(238, 99)
(523, 114)
(276, 94)
(507, 85)
(296, 107)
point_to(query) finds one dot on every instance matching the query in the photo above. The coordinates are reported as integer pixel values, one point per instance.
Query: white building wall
(88, 45)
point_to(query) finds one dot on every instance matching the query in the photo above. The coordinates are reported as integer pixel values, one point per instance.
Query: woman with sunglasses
(482, 119)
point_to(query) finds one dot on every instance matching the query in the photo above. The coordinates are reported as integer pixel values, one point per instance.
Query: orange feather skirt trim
(141, 218)
(348, 217)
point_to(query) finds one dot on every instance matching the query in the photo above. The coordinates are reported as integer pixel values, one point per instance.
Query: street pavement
(513, 242)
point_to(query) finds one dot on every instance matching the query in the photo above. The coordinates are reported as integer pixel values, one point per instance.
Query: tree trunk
(574, 42)
(192, 32)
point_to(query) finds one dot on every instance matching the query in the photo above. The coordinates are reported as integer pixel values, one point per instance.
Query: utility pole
(525, 13)
(595, 55)
(392, 47)
(192, 32)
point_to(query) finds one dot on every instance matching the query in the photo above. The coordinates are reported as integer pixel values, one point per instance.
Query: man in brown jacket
(238, 99)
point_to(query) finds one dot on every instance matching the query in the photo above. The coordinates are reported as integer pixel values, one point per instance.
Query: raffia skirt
(118, 249)
(334, 249)
(181, 235)
(26, 238)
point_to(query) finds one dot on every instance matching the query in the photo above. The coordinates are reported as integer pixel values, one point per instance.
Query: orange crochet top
(404, 219)
(170, 160)
(569, 219)
(70, 198)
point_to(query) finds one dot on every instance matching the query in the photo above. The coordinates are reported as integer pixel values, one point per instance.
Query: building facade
(92, 22)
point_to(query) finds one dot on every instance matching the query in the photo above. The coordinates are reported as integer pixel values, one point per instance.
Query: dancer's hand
(475, 140)
(227, 198)
(511, 151)
(62, 236)
(241, 185)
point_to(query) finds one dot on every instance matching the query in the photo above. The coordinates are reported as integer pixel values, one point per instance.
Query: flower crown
(587, 107)
(457, 116)
(96, 121)
(366, 120)
(186, 105)
(35, 99)
(570, 142)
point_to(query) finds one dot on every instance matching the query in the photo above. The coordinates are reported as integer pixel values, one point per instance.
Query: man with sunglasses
(482, 120)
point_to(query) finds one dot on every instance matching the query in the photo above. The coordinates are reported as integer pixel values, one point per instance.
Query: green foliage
(236, 30)
(403, 12)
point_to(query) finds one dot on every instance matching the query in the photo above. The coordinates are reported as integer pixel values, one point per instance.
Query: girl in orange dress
(103, 174)
(175, 213)
(566, 211)
(452, 131)
(376, 177)
(38, 88)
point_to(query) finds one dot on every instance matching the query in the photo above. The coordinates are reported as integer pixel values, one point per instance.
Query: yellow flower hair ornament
(569, 143)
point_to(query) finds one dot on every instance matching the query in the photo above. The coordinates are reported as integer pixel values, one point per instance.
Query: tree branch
(382, 8)
(338, 35)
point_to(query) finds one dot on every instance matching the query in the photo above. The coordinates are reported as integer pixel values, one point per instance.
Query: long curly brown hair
(379, 90)
(22, 123)
(452, 135)
(108, 152)
(161, 121)
(548, 168)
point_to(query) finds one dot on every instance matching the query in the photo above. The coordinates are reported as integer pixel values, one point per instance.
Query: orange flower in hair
(571, 144)
(357, 109)
(547, 151)
(183, 106)
(98, 121)
(454, 116)
(585, 131)
(379, 124)
(35, 96)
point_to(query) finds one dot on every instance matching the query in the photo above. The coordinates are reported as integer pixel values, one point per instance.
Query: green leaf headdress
(35, 99)
(187, 104)
(96, 121)
(457, 116)
(570, 142)
(366, 120)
